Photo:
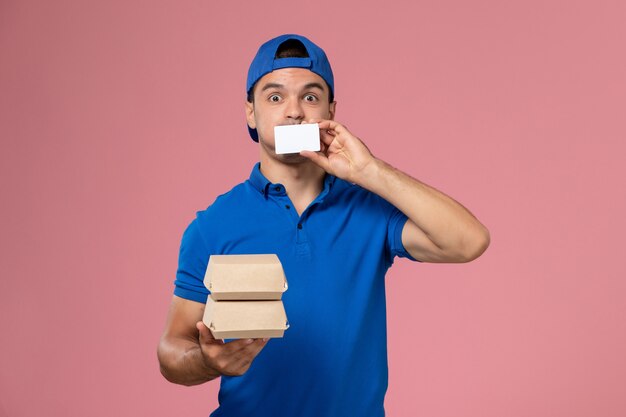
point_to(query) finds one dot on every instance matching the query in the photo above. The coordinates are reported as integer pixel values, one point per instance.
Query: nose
(294, 110)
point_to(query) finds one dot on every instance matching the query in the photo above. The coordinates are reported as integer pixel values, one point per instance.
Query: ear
(331, 110)
(250, 115)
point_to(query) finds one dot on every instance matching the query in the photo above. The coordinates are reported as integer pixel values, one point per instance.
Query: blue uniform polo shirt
(332, 361)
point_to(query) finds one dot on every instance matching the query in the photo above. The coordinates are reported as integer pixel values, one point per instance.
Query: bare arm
(189, 355)
(439, 229)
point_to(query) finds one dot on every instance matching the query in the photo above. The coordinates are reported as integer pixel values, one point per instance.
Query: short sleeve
(192, 262)
(395, 224)
(394, 235)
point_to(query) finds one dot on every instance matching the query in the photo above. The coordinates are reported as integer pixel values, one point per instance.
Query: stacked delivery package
(245, 299)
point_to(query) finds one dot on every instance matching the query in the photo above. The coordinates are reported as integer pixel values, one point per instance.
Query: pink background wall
(119, 120)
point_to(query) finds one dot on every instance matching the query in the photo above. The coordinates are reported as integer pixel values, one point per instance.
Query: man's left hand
(342, 154)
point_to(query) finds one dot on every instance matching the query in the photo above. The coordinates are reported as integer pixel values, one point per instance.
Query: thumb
(205, 335)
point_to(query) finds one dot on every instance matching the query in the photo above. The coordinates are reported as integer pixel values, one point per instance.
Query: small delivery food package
(245, 299)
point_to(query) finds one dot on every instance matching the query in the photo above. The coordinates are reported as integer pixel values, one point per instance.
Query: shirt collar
(264, 186)
(258, 180)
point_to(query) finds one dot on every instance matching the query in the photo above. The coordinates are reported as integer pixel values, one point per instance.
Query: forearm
(441, 230)
(181, 362)
(448, 224)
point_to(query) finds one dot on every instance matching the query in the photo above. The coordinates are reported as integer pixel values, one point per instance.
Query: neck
(303, 180)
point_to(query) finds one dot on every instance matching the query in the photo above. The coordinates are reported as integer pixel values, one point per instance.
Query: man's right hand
(232, 358)
(189, 354)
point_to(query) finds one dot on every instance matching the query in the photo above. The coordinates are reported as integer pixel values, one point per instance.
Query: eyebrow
(314, 85)
(280, 86)
(272, 85)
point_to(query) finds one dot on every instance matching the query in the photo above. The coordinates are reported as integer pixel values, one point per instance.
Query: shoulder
(348, 193)
(229, 210)
(227, 202)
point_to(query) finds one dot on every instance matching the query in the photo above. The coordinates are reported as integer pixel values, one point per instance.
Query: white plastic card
(296, 138)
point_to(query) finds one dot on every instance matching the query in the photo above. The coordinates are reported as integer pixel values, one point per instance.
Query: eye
(274, 98)
(310, 98)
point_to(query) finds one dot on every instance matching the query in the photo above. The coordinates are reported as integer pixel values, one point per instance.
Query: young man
(336, 219)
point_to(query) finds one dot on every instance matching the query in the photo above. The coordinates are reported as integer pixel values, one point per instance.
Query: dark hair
(291, 48)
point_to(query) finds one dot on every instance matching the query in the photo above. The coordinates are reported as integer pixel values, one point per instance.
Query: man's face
(284, 97)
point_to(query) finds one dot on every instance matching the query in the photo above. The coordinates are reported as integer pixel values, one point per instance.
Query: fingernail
(249, 341)
(265, 339)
